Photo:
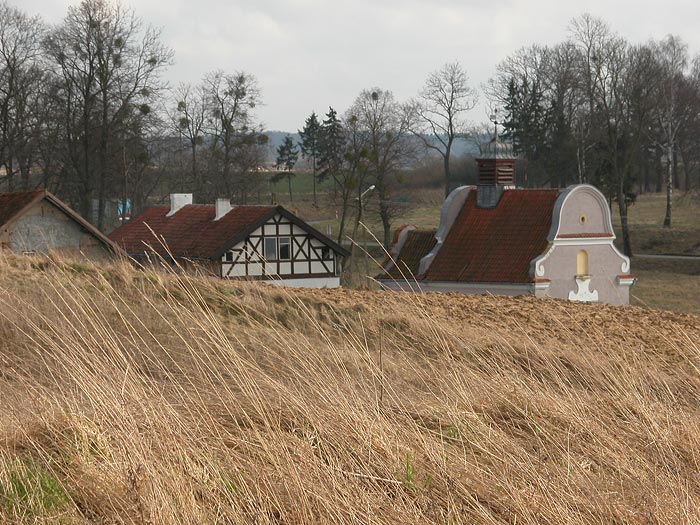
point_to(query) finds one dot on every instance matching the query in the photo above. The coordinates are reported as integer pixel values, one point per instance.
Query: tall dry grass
(142, 397)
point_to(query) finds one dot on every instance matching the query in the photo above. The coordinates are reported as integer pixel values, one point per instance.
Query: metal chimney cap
(496, 149)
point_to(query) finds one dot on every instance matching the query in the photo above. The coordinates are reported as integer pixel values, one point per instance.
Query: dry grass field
(132, 397)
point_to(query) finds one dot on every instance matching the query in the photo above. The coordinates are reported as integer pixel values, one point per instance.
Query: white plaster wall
(317, 267)
(312, 282)
(604, 265)
(257, 266)
(255, 269)
(583, 203)
(237, 270)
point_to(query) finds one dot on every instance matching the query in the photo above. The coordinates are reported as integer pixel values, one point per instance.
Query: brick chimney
(223, 206)
(496, 172)
(177, 201)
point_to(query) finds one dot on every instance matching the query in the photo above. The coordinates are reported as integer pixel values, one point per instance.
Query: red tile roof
(191, 232)
(496, 245)
(418, 244)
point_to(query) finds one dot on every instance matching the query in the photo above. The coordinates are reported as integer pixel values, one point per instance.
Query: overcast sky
(309, 54)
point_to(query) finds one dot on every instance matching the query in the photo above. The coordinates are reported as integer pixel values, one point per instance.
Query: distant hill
(275, 140)
(461, 147)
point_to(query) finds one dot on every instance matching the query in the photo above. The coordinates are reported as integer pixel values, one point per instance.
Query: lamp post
(360, 209)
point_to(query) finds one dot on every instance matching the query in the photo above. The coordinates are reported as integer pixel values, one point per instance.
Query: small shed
(37, 221)
(266, 243)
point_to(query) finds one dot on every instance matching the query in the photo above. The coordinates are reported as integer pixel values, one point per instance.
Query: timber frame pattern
(308, 257)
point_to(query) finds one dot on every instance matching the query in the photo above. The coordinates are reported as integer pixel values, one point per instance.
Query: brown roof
(11, 204)
(496, 245)
(14, 204)
(406, 264)
(191, 232)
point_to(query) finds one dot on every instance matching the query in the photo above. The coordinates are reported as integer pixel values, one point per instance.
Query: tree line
(378, 138)
(598, 109)
(85, 113)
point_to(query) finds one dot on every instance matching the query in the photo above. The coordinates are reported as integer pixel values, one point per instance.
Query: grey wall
(45, 228)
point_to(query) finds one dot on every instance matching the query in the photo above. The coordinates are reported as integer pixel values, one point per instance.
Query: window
(285, 249)
(270, 248)
(325, 253)
(582, 263)
(228, 257)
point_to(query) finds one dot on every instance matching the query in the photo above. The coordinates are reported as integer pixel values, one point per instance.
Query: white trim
(583, 293)
(311, 282)
(625, 281)
(451, 208)
(536, 264)
(625, 266)
(582, 241)
(541, 285)
(537, 270)
(396, 249)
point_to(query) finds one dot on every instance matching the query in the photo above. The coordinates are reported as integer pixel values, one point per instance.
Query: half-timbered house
(267, 243)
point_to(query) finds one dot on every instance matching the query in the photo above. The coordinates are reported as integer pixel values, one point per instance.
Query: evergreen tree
(287, 155)
(335, 144)
(526, 124)
(310, 145)
(331, 145)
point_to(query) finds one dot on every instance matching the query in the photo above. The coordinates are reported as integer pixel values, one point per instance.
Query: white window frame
(272, 245)
(289, 248)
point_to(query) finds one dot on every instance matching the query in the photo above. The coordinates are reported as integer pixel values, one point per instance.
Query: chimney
(496, 172)
(223, 206)
(177, 201)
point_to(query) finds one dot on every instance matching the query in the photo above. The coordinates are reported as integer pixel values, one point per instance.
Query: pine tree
(287, 155)
(310, 144)
(331, 145)
(334, 149)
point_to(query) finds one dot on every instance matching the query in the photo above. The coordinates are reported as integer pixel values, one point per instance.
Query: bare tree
(110, 68)
(672, 56)
(383, 128)
(21, 78)
(438, 115)
(188, 121)
(621, 97)
(232, 99)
